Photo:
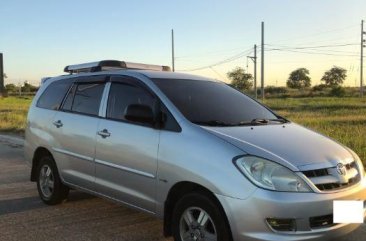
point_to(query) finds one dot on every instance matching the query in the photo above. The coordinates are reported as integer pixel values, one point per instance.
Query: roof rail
(111, 65)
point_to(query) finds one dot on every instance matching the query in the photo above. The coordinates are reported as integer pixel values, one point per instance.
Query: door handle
(104, 133)
(58, 123)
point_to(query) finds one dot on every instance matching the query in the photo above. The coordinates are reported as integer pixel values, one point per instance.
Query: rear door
(126, 154)
(75, 128)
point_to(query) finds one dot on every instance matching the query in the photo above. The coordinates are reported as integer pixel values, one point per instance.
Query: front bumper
(247, 218)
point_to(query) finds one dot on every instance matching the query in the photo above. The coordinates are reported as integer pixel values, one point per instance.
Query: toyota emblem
(341, 169)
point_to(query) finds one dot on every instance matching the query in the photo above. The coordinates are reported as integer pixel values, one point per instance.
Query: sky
(39, 38)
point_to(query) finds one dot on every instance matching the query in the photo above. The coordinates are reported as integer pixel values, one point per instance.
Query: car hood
(289, 144)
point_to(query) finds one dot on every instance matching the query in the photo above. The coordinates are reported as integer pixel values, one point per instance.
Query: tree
(239, 79)
(335, 76)
(28, 87)
(338, 91)
(299, 79)
(10, 87)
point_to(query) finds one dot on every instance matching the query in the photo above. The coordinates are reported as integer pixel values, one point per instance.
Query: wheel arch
(176, 192)
(39, 152)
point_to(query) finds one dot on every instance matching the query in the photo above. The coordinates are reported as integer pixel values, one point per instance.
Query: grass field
(13, 113)
(343, 119)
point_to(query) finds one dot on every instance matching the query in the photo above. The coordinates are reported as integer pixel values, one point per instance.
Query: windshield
(214, 103)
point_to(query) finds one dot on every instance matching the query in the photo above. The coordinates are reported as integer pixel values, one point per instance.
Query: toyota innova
(210, 161)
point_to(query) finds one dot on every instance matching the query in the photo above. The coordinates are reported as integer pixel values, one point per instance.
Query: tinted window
(122, 95)
(212, 103)
(69, 99)
(54, 94)
(170, 123)
(86, 98)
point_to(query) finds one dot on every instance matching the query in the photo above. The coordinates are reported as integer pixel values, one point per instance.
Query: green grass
(343, 119)
(13, 113)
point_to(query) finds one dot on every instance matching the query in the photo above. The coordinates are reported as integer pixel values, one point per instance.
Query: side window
(170, 123)
(121, 95)
(54, 94)
(84, 98)
(69, 99)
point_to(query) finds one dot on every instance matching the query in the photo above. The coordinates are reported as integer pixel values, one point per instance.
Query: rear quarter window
(53, 95)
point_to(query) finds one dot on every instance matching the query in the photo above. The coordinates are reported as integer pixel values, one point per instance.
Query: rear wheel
(198, 218)
(50, 188)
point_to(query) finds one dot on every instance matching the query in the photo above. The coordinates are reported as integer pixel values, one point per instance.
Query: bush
(320, 87)
(10, 87)
(3, 93)
(28, 88)
(338, 91)
(275, 90)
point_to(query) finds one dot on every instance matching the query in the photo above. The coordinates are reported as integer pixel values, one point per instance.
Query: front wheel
(50, 188)
(197, 217)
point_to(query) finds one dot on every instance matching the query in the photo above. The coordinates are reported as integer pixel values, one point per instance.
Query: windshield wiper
(261, 121)
(254, 122)
(279, 120)
(212, 123)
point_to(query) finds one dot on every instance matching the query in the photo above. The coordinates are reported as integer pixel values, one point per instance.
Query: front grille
(335, 186)
(321, 221)
(316, 173)
(330, 179)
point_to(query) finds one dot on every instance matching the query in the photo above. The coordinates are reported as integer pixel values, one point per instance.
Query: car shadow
(30, 203)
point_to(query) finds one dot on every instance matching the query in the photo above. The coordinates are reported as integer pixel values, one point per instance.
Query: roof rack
(105, 65)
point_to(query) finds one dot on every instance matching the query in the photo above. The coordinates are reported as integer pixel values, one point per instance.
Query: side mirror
(140, 113)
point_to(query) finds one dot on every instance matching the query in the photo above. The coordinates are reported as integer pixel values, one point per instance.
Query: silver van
(210, 161)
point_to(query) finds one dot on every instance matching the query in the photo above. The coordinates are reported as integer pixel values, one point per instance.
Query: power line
(315, 47)
(311, 61)
(316, 53)
(232, 58)
(318, 33)
(217, 73)
(293, 49)
(218, 52)
(350, 38)
(335, 49)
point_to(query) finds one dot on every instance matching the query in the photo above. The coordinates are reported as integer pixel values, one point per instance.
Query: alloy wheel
(196, 225)
(46, 181)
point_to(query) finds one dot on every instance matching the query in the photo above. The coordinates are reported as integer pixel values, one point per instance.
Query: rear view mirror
(140, 113)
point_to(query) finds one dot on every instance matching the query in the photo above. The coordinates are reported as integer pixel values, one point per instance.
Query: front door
(126, 151)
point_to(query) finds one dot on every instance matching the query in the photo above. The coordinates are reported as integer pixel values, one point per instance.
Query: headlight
(270, 175)
(358, 161)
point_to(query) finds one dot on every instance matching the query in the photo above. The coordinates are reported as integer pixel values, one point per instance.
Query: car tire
(50, 187)
(197, 217)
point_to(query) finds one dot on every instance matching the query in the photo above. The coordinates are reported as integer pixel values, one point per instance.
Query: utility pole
(254, 59)
(173, 58)
(262, 62)
(361, 65)
(1, 75)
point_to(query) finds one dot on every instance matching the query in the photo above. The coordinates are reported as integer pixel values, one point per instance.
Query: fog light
(282, 224)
